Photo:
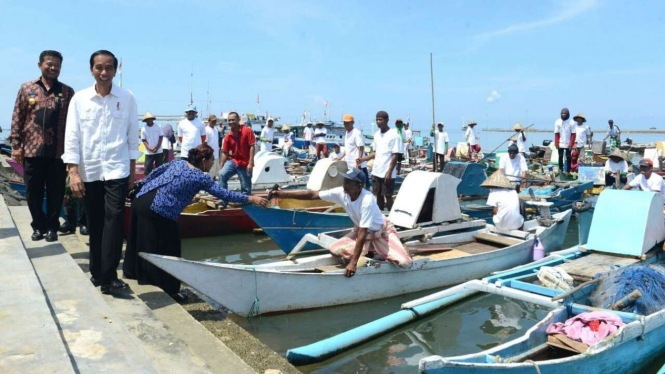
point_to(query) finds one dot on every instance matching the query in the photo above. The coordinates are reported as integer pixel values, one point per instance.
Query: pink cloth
(385, 243)
(577, 328)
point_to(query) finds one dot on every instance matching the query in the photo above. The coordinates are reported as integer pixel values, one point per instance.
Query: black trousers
(151, 233)
(105, 206)
(440, 161)
(40, 173)
(561, 152)
(156, 159)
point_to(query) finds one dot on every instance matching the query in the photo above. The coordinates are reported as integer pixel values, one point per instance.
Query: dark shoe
(84, 230)
(37, 235)
(106, 289)
(95, 282)
(52, 236)
(67, 228)
(118, 285)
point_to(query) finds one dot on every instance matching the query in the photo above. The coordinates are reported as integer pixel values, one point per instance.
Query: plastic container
(538, 250)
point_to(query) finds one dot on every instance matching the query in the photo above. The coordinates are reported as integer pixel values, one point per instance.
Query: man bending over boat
(372, 232)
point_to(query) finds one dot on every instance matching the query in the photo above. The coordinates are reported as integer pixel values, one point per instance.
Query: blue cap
(191, 108)
(355, 175)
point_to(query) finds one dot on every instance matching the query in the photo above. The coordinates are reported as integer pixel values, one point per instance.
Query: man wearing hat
(563, 132)
(615, 166)
(504, 201)
(267, 135)
(614, 133)
(582, 133)
(354, 146)
(440, 145)
(191, 131)
(408, 134)
(308, 135)
(372, 232)
(152, 137)
(520, 139)
(336, 154)
(647, 180)
(513, 166)
(472, 141)
(212, 139)
(320, 137)
(289, 140)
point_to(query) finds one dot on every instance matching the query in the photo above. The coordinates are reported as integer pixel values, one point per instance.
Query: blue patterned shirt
(177, 184)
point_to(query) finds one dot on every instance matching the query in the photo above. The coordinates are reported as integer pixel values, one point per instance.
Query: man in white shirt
(191, 131)
(513, 166)
(320, 138)
(336, 153)
(647, 180)
(520, 139)
(387, 146)
(101, 148)
(440, 145)
(267, 135)
(289, 140)
(614, 133)
(152, 137)
(372, 232)
(212, 139)
(504, 201)
(472, 141)
(563, 139)
(308, 135)
(615, 167)
(582, 132)
(354, 147)
(409, 141)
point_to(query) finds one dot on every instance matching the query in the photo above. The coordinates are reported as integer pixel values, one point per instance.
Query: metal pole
(431, 73)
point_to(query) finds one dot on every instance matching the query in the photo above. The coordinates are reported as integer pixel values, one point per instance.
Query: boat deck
(585, 268)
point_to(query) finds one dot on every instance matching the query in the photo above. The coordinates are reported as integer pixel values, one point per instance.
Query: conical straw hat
(497, 180)
(616, 153)
(148, 116)
(517, 127)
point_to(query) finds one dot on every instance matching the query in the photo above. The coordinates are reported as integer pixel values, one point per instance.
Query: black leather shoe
(95, 282)
(84, 230)
(37, 235)
(106, 289)
(52, 236)
(118, 285)
(67, 228)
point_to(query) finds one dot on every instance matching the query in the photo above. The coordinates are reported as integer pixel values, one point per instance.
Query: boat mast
(431, 72)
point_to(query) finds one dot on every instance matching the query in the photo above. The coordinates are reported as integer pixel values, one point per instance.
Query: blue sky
(495, 61)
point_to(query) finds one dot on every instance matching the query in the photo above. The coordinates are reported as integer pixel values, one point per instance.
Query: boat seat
(362, 261)
(496, 239)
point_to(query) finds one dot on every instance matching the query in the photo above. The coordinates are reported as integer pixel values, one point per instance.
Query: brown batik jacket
(38, 122)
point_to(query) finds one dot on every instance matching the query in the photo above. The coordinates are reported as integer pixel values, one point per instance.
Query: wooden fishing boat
(466, 255)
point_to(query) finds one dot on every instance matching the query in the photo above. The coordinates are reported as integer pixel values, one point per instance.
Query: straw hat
(285, 128)
(581, 116)
(497, 180)
(148, 116)
(616, 153)
(472, 123)
(517, 127)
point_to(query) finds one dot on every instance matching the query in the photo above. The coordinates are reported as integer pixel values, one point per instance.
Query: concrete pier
(52, 319)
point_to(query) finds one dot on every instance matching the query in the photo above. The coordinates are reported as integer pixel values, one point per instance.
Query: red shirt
(237, 147)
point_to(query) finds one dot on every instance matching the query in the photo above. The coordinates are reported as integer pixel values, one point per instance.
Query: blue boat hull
(286, 227)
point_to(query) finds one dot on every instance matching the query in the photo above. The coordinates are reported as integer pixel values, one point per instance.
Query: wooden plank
(493, 238)
(585, 268)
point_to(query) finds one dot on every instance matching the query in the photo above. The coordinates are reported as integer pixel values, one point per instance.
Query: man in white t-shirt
(563, 139)
(520, 139)
(372, 232)
(504, 201)
(320, 139)
(647, 180)
(151, 136)
(440, 145)
(212, 138)
(387, 146)
(582, 132)
(336, 153)
(308, 135)
(267, 135)
(408, 144)
(615, 167)
(191, 131)
(354, 146)
(614, 133)
(513, 166)
(471, 139)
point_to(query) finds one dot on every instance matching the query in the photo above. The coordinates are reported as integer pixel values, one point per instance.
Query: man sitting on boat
(505, 202)
(336, 153)
(513, 166)
(647, 180)
(372, 232)
(615, 167)
(289, 140)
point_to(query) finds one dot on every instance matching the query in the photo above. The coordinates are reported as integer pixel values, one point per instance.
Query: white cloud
(494, 96)
(569, 10)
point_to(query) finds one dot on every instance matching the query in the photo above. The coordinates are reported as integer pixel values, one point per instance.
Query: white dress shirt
(101, 136)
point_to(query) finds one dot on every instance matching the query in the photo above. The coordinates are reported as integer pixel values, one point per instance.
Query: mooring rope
(255, 310)
(534, 365)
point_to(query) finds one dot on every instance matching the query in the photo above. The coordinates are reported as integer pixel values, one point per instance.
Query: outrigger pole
(431, 74)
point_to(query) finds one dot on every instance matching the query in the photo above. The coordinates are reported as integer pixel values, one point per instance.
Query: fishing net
(619, 283)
